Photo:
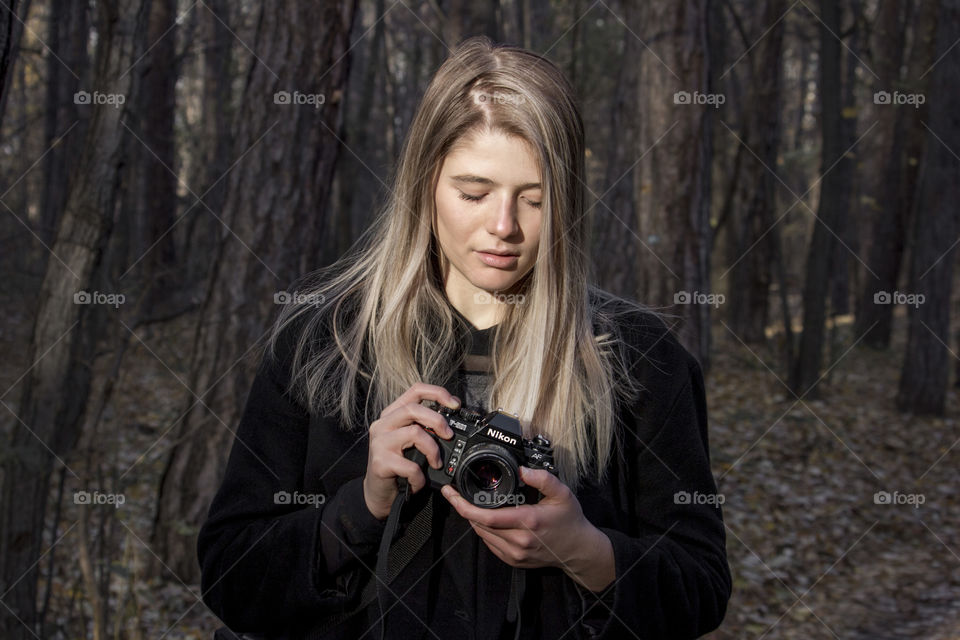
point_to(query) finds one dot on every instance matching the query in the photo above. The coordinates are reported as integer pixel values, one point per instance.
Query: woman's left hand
(552, 533)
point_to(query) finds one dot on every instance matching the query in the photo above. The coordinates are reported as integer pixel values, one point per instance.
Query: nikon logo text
(494, 433)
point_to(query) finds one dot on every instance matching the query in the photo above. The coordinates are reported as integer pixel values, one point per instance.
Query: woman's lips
(499, 262)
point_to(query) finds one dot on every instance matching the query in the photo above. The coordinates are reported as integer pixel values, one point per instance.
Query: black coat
(271, 565)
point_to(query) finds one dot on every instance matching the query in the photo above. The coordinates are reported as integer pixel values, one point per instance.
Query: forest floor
(813, 555)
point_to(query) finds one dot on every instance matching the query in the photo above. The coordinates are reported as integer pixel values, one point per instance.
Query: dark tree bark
(751, 240)
(12, 16)
(276, 204)
(357, 190)
(902, 132)
(614, 220)
(158, 185)
(48, 421)
(200, 240)
(806, 367)
(845, 243)
(926, 366)
(675, 192)
(844, 247)
(67, 63)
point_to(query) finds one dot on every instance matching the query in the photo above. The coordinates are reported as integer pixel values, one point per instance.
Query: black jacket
(272, 564)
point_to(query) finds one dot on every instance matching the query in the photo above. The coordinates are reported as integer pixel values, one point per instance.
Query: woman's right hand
(398, 428)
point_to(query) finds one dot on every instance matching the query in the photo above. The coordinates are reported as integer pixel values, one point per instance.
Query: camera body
(482, 459)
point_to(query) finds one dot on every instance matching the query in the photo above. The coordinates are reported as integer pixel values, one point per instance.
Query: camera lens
(487, 476)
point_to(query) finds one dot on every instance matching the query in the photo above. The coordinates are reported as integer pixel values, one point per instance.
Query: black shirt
(272, 564)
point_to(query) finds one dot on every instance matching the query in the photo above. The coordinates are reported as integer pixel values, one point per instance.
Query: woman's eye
(534, 204)
(470, 198)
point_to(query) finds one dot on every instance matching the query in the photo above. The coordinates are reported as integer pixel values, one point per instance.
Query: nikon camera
(481, 460)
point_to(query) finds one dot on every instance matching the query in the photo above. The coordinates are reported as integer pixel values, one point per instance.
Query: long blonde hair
(380, 316)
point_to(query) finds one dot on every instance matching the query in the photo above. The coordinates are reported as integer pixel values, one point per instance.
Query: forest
(780, 178)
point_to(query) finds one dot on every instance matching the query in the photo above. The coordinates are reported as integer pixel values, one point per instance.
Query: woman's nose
(504, 222)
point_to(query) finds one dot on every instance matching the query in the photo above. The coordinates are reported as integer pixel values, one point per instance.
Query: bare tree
(47, 421)
(901, 132)
(752, 236)
(806, 368)
(67, 62)
(678, 142)
(614, 220)
(926, 366)
(158, 182)
(273, 217)
(12, 16)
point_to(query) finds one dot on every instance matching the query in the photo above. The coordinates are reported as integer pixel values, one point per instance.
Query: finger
(548, 484)
(419, 414)
(422, 391)
(404, 468)
(500, 547)
(414, 436)
(501, 518)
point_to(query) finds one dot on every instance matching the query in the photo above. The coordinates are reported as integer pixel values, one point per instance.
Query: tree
(901, 132)
(12, 16)
(273, 218)
(752, 236)
(158, 184)
(925, 372)
(675, 183)
(47, 422)
(806, 366)
(615, 221)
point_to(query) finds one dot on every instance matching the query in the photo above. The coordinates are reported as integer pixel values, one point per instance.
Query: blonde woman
(471, 290)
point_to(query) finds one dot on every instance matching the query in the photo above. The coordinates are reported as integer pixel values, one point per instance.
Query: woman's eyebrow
(487, 181)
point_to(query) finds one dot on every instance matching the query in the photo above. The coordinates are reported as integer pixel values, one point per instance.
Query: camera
(482, 459)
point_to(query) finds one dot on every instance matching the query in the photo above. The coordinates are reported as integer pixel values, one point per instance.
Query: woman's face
(488, 202)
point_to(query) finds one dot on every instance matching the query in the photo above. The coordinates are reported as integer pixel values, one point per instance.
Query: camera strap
(391, 559)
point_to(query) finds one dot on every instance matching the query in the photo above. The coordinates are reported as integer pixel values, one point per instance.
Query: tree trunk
(902, 131)
(751, 239)
(925, 372)
(806, 368)
(614, 218)
(158, 185)
(67, 39)
(276, 207)
(844, 246)
(12, 16)
(675, 183)
(200, 240)
(65, 333)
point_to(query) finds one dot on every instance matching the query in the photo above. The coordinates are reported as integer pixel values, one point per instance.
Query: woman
(472, 286)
